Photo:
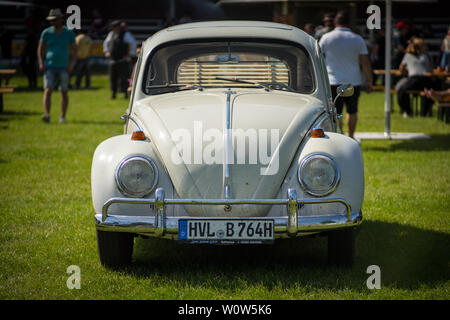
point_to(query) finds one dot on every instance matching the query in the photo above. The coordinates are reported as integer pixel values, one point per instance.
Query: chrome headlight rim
(127, 159)
(327, 158)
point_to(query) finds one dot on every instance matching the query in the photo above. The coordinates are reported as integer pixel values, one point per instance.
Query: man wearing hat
(120, 48)
(57, 56)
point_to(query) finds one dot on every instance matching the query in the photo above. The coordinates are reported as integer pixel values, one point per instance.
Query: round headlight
(136, 176)
(318, 175)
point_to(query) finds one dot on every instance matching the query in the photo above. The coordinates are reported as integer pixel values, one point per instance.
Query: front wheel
(341, 247)
(115, 248)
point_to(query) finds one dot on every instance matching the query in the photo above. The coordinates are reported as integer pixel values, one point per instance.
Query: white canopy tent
(387, 134)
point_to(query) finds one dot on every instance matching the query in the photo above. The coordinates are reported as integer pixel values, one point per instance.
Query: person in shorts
(57, 56)
(344, 52)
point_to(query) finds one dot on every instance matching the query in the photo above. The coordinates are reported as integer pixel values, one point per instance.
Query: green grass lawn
(47, 223)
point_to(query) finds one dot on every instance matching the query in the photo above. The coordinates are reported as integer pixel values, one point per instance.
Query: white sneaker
(62, 120)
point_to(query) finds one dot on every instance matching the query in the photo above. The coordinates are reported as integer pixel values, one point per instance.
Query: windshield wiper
(265, 85)
(261, 85)
(182, 86)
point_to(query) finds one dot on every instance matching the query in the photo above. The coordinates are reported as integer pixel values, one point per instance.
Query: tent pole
(387, 67)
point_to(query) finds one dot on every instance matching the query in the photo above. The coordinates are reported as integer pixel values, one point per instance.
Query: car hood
(188, 130)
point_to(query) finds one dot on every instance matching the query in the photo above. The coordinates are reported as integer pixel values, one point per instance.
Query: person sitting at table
(416, 63)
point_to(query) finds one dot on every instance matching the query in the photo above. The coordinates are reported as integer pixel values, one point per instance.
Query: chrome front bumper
(160, 225)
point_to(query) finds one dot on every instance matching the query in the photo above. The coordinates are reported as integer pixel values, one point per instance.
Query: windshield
(224, 64)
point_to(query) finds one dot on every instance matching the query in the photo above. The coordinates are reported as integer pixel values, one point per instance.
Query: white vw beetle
(230, 137)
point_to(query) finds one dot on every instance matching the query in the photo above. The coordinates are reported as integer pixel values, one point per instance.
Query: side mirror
(344, 90)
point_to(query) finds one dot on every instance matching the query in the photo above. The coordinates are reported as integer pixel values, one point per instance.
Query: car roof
(230, 29)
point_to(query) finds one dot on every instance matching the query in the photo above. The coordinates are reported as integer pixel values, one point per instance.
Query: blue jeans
(445, 60)
(55, 76)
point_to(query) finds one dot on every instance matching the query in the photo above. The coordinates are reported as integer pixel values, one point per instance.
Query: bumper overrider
(160, 225)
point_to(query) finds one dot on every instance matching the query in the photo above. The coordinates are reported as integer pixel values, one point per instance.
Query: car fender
(346, 152)
(107, 157)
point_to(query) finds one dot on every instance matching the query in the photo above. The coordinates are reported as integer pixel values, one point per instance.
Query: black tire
(115, 249)
(341, 247)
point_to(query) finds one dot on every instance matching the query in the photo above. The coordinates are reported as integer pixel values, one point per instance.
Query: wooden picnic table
(5, 74)
(396, 72)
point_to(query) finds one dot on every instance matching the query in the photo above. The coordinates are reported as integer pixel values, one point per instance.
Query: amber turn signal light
(138, 135)
(317, 133)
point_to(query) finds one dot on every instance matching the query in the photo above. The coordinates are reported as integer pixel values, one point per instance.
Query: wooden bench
(414, 94)
(6, 89)
(381, 88)
(5, 74)
(417, 103)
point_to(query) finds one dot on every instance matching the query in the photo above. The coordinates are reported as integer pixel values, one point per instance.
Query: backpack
(119, 48)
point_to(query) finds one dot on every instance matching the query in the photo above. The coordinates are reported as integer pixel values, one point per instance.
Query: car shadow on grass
(408, 258)
(438, 142)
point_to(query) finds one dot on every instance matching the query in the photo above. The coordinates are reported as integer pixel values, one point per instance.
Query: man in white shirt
(344, 52)
(114, 33)
(119, 47)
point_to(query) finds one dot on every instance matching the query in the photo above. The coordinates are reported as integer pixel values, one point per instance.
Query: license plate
(226, 231)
